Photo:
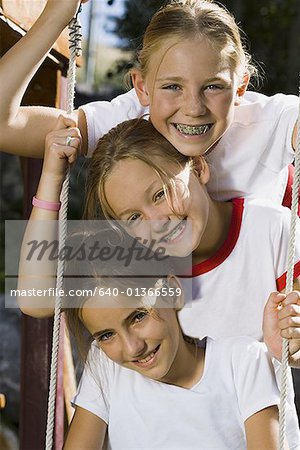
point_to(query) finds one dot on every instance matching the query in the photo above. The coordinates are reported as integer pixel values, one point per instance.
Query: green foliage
(131, 27)
(273, 29)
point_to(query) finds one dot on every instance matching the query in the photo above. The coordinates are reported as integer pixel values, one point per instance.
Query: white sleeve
(285, 110)
(102, 116)
(254, 377)
(93, 393)
(278, 115)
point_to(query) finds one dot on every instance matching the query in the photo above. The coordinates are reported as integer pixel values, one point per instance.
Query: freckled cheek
(154, 329)
(142, 232)
(162, 105)
(226, 105)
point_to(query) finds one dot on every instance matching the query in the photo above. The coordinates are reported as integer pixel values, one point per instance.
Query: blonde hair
(133, 139)
(187, 19)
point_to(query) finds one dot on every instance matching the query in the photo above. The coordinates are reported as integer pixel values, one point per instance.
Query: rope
(75, 50)
(289, 287)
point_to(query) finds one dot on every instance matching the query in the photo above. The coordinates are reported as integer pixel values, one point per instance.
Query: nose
(159, 218)
(193, 104)
(133, 345)
(160, 225)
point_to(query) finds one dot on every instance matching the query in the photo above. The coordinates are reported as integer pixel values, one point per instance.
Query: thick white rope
(289, 287)
(75, 40)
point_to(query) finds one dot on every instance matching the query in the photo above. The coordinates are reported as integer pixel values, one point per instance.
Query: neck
(187, 368)
(216, 230)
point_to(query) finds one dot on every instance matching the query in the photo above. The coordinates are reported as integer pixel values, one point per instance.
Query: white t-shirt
(144, 414)
(230, 289)
(250, 160)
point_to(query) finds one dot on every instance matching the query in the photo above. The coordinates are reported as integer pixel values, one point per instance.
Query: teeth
(147, 358)
(190, 130)
(175, 233)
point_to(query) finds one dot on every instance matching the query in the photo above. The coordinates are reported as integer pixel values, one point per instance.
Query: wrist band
(43, 204)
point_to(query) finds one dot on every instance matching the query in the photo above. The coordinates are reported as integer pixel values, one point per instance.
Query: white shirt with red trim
(144, 414)
(250, 160)
(230, 289)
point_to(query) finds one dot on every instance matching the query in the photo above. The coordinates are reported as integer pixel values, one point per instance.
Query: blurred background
(112, 32)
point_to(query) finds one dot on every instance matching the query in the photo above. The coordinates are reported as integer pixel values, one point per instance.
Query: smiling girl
(192, 73)
(148, 385)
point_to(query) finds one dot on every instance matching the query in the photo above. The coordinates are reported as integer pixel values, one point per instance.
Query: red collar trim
(229, 244)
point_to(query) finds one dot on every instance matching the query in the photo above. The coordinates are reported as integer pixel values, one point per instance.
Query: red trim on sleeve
(287, 198)
(281, 281)
(229, 244)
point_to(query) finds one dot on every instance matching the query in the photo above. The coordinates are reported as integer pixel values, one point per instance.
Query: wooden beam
(25, 12)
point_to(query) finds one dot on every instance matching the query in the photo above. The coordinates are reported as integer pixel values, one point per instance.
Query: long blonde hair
(187, 19)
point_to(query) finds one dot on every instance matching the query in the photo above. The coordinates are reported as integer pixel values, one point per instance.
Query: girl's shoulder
(235, 346)
(256, 106)
(258, 98)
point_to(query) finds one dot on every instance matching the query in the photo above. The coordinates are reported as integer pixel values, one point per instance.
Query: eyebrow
(107, 330)
(149, 188)
(208, 80)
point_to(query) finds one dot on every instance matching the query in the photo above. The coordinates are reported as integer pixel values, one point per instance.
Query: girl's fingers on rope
(65, 133)
(292, 298)
(275, 300)
(65, 121)
(61, 149)
(289, 316)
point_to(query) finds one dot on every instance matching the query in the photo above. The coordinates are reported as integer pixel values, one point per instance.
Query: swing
(75, 37)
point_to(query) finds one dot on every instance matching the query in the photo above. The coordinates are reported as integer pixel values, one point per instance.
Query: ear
(140, 87)
(178, 300)
(201, 168)
(242, 88)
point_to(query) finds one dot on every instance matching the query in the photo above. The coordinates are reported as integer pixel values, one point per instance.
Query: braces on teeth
(187, 129)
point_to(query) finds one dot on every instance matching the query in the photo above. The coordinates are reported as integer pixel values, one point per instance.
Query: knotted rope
(289, 287)
(75, 51)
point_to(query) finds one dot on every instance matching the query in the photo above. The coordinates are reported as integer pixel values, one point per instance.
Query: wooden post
(48, 88)
(37, 333)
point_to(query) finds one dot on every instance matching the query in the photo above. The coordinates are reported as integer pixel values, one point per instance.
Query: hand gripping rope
(75, 51)
(289, 286)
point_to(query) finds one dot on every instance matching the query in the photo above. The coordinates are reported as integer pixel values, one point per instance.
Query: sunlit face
(148, 342)
(191, 91)
(135, 193)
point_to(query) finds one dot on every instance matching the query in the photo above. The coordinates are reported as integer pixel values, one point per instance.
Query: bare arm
(262, 430)
(37, 267)
(86, 432)
(23, 130)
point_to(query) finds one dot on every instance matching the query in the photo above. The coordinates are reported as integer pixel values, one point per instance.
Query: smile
(191, 130)
(175, 233)
(148, 358)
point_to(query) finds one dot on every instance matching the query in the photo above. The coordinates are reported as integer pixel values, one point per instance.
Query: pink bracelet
(43, 204)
